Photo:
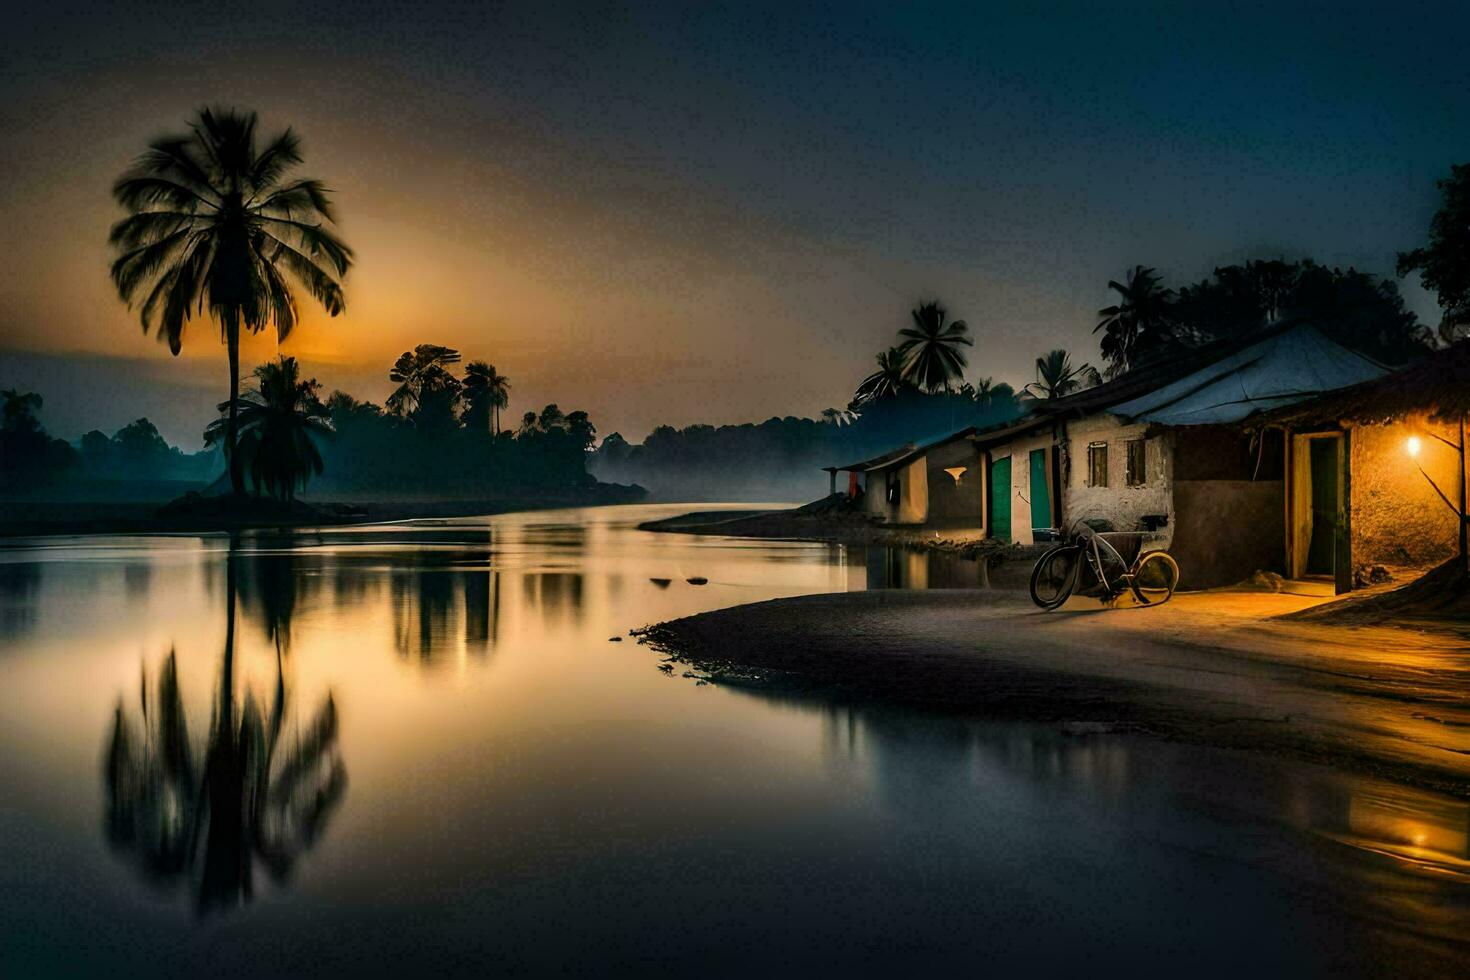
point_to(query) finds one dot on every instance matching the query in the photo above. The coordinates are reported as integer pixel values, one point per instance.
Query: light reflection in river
(524, 793)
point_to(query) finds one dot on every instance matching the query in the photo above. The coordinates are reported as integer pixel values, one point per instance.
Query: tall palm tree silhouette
(1142, 316)
(486, 392)
(254, 794)
(277, 426)
(214, 222)
(1055, 375)
(932, 346)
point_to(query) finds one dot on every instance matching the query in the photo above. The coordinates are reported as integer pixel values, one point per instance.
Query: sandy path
(1206, 667)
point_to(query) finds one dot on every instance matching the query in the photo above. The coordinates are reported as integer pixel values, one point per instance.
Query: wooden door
(1000, 499)
(1040, 491)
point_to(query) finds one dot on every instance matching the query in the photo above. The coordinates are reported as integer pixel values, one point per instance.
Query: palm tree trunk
(232, 458)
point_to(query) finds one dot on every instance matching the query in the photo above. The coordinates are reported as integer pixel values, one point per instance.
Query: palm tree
(214, 222)
(423, 379)
(1055, 376)
(887, 380)
(277, 422)
(932, 347)
(486, 392)
(1142, 318)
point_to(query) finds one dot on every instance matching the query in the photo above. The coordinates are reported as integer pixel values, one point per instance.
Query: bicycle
(1093, 563)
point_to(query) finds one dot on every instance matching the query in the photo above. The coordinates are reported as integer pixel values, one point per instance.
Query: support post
(1463, 515)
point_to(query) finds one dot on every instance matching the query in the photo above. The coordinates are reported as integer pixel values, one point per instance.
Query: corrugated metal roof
(1438, 384)
(1288, 367)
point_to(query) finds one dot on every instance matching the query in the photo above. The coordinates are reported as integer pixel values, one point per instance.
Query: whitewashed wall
(1118, 503)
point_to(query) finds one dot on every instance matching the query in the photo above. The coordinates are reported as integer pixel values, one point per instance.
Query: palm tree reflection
(260, 792)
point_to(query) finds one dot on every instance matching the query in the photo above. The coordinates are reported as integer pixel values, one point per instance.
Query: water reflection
(600, 815)
(440, 598)
(259, 791)
(1395, 857)
(892, 567)
(20, 581)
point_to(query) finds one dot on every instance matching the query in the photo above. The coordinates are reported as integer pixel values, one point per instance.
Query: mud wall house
(1177, 450)
(936, 486)
(1230, 487)
(1162, 451)
(1375, 473)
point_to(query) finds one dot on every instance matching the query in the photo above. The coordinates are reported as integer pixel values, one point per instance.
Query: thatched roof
(1437, 385)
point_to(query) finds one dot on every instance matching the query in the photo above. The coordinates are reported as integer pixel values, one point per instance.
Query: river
(417, 747)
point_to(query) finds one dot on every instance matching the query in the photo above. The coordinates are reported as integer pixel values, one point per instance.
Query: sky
(675, 213)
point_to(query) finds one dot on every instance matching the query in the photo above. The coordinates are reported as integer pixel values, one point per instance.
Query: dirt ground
(1216, 667)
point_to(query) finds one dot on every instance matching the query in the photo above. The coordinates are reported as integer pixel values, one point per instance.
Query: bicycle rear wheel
(1055, 576)
(1156, 578)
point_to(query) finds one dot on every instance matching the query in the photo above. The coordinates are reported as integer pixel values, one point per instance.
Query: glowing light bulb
(1412, 445)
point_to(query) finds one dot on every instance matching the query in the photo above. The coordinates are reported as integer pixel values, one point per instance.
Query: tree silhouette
(1142, 318)
(1444, 264)
(886, 381)
(427, 390)
(485, 392)
(18, 412)
(214, 222)
(1055, 376)
(277, 425)
(1356, 309)
(932, 347)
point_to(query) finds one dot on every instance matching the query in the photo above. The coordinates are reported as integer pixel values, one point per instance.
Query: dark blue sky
(718, 214)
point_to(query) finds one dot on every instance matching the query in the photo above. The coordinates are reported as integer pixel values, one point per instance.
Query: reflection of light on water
(1419, 831)
(1428, 834)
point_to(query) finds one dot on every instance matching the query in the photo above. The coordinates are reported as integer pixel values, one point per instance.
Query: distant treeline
(31, 459)
(438, 437)
(780, 459)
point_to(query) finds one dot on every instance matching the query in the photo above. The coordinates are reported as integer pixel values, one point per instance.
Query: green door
(1040, 491)
(1000, 499)
(1322, 546)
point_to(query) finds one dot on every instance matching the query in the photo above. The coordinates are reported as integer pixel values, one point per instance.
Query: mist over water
(464, 774)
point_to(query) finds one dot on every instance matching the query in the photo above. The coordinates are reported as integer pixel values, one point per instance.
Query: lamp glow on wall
(1413, 445)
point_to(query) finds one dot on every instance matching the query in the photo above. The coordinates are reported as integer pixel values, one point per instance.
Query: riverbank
(1216, 668)
(815, 523)
(30, 518)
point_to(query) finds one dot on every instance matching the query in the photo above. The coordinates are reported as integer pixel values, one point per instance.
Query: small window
(1097, 464)
(1137, 463)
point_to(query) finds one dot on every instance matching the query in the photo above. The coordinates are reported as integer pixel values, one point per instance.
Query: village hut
(1397, 455)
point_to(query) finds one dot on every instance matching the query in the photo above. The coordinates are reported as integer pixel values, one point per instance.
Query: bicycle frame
(1099, 553)
(1091, 554)
(1093, 546)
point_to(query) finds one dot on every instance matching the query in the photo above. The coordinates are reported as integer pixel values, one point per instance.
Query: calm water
(429, 754)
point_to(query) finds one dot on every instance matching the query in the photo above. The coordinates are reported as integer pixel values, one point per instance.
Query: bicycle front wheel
(1055, 576)
(1156, 578)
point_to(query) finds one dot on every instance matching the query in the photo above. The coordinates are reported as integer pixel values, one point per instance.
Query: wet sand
(1214, 668)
